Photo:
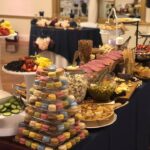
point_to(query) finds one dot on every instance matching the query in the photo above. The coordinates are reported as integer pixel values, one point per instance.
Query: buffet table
(131, 131)
(65, 41)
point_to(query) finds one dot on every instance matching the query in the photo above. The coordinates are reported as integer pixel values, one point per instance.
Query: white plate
(5, 117)
(7, 36)
(136, 19)
(18, 73)
(112, 102)
(126, 103)
(104, 125)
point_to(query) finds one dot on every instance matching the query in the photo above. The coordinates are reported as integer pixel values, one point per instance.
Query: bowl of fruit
(143, 52)
(6, 28)
(28, 64)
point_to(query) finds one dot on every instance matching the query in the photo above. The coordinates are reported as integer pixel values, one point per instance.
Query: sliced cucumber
(4, 109)
(7, 113)
(7, 104)
(1, 107)
(15, 111)
(16, 103)
(13, 106)
(19, 107)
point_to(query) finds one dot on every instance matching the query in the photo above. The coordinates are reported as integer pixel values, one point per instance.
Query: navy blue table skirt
(66, 41)
(131, 131)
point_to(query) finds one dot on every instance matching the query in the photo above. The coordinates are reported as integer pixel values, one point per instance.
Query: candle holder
(41, 13)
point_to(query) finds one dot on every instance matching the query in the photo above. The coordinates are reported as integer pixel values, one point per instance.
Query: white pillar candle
(119, 40)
